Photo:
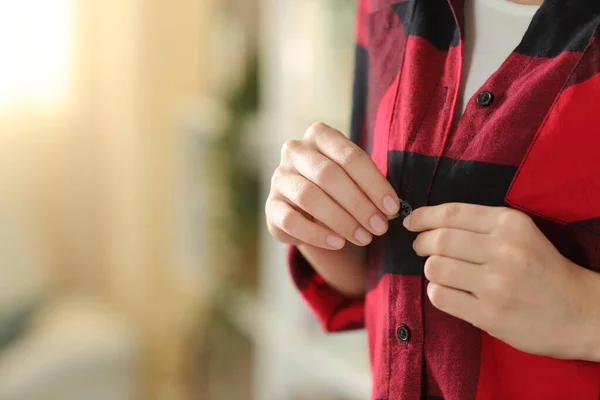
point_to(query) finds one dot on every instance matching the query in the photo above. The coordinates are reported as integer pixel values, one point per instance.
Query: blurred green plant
(243, 183)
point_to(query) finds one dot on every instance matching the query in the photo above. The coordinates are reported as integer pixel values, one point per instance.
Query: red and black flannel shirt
(529, 139)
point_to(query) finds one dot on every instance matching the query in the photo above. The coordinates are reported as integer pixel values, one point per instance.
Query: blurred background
(137, 140)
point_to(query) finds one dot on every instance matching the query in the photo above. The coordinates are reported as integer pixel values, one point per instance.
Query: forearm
(586, 343)
(345, 270)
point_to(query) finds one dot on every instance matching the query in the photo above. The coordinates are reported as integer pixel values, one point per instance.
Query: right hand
(327, 191)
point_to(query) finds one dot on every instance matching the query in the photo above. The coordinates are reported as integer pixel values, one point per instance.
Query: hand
(327, 191)
(492, 267)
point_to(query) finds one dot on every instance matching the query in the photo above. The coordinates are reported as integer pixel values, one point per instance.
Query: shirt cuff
(334, 311)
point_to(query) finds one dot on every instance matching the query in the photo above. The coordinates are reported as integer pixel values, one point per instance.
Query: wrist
(586, 341)
(344, 270)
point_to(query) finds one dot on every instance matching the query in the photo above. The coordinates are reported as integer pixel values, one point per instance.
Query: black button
(405, 209)
(403, 333)
(485, 98)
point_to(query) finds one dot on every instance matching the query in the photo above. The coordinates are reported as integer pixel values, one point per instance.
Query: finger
(455, 302)
(454, 273)
(283, 237)
(284, 217)
(453, 243)
(470, 217)
(357, 164)
(311, 199)
(333, 181)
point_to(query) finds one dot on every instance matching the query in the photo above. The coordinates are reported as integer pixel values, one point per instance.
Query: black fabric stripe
(471, 182)
(432, 20)
(560, 26)
(591, 225)
(589, 65)
(456, 181)
(359, 98)
(467, 182)
(579, 241)
(409, 174)
(423, 398)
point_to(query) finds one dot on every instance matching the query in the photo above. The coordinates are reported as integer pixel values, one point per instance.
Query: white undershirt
(493, 29)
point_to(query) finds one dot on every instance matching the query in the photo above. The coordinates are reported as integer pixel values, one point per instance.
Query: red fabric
(362, 13)
(569, 191)
(452, 341)
(381, 129)
(544, 123)
(503, 137)
(334, 311)
(507, 373)
(420, 96)
(404, 302)
(376, 310)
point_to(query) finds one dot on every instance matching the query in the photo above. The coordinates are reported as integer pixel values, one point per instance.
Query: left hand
(492, 267)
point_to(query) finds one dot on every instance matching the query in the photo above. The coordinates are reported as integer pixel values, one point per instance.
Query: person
(461, 223)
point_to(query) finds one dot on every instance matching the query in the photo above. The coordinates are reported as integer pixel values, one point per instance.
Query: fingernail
(335, 242)
(390, 205)
(378, 224)
(406, 222)
(362, 236)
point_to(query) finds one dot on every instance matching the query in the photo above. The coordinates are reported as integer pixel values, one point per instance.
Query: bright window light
(34, 51)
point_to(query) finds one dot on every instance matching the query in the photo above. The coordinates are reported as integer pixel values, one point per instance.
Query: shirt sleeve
(335, 311)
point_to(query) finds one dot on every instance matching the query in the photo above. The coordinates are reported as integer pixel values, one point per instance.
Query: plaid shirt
(529, 139)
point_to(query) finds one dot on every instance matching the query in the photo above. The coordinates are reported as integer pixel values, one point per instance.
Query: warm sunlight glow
(34, 51)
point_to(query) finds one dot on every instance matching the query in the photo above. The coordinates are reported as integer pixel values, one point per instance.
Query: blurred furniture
(74, 350)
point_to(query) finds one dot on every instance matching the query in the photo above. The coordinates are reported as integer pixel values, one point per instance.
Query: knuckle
(435, 295)
(272, 229)
(304, 194)
(513, 254)
(268, 209)
(290, 147)
(271, 210)
(506, 250)
(276, 177)
(443, 240)
(350, 155)
(432, 268)
(505, 218)
(451, 212)
(325, 172)
(287, 220)
(315, 130)
(276, 233)
(513, 219)
(519, 256)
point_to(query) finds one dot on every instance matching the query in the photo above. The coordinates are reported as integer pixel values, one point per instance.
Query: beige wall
(145, 68)
(101, 171)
